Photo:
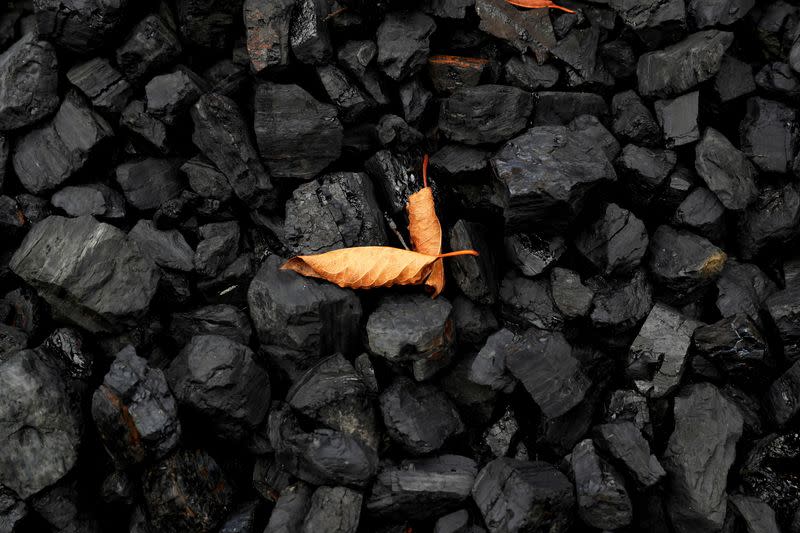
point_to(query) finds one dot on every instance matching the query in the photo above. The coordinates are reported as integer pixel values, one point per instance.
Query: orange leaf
(537, 4)
(368, 267)
(459, 61)
(425, 229)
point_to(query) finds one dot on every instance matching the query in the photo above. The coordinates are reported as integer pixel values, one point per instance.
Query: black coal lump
(603, 501)
(268, 25)
(485, 114)
(30, 94)
(150, 46)
(615, 242)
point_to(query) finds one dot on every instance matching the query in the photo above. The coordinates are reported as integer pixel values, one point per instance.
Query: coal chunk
(620, 304)
(222, 135)
(350, 100)
(488, 368)
(737, 347)
(268, 24)
(475, 276)
(743, 288)
(290, 509)
(681, 66)
(404, 43)
(46, 157)
(485, 114)
(415, 99)
(449, 73)
(544, 175)
(516, 495)
(333, 509)
(616, 242)
(525, 73)
(90, 273)
(80, 26)
(223, 320)
(653, 21)
(753, 514)
(571, 296)
(781, 308)
(678, 119)
(206, 180)
(532, 254)
(734, 79)
(623, 441)
(41, 427)
(455, 160)
(146, 127)
(186, 491)
(763, 476)
(660, 353)
(555, 108)
(309, 36)
(419, 417)
(208, 24)
(529, 302)
(633, 121)
(170, 95)
(394, 176)
(298, 320)
(768, 134)
(421, 488)
(167, 248)
(135, 412)
(27, 94)
(219, 379)
(726, 170)
(150, 182)
(699, 453)
(603, 501)
(150, 46)
(523, 29)
(103, 84)
(770, 222)
(702, 213)
(297, 135)
(718, 12)
(218, 248)
(645, 171)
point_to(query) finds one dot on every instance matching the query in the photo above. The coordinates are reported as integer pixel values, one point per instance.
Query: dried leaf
(369, 267)
(537, 4)
(459, 61)
(425, 229)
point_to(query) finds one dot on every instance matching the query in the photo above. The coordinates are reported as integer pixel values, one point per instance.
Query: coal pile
(622, 355)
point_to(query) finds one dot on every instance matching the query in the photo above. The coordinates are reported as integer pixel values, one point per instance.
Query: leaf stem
(457, 253)
(425, 170)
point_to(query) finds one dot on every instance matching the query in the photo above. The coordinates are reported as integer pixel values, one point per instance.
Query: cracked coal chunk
(678, 119)
(12, 509)
(544, 176)
(645, 171)
(268, 25)
(12, 339)
(166, 248)
(290, 509)
(653, 21)
(618, 58)
(532, 254)
(394, 176)
(222, 320)
(413, 328)
(524, 72)
(102, 84)
(404, 43)
(333, 509)
(524, 30)
(208, 24)
(421, 488)
(737, 347)
(743, 288)
(134, 411)
(455, 522)
(448, 73)
(770, 222)
(170, 95)
(702, 213)
(350, 100)
(206, 180)
(393, 131)
(150, 182)
(414, 98)
(41, 427)
(783, 396)
(338, 210)
(623, 441)
(529, 302)
(603, 501)
(457, 161)
(683, 263)
(61, 508)
(488, 368)
(297, 135)
(555, 108)
(764, 475)
(734, 79)
(186, 491)
(616, 242)
(46, 157)
(322, 456)
(28, 82)
(475, 276)
(543, 361)
(783, 312)
(778, 79)
(419, 417)
(752, 514)
(682, 66)
(769, 134)
(308, 34)
(90, 273)
(67, 344)
(572, 298)
(630, 406)
(151, 45)
(222, 135)
(633, 121)
(145, 127)
(700, 451)
(718, 12)
(622, 303)
(218, 379)
(726, 170)
(81, 26)
(485, 114)
(356, 56)
(516, 495)
(299, 320)
(218, 248)
(660, 352)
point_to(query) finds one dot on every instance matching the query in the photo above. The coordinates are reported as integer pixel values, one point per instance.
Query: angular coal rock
(699, 453)
(455, 160)
(768, 134)
(781, 308)
(12, 218)
(737, 347)
(449, 73)
(632, 120)
(682, 262)
(769, 222)
(485, 114)
(323, 456)
(394, 176)
(93, 199)
(297, 135)
(682, 66)
(414, 97)
(419, 417)
(660, 352)
(80, 26)
(455, 522)
(602, 499)
(208, 24)
(187, 491)
(500, 435)
(488, 368)
(515, 495)
(268, 24)
(219, 379)
(725, 170)
(308, 35)
(298, 320)
(620, 304)
(630, 406)
(523, 29)
(572, 298)
(624, 442)
(404, 43)
(206, 180)
(218, 248)
(27, 94)
(90, 273)
(616, 242)
(290, 510)
(150, 182)
(544, 363)
(475, 276)
(783, 397)
(170, 95)
(544, 175)
(146, 127)
(46, 157)
(560, 108)
(525, 73)
(356, 56)
(618, 58)
(151, 45)
(702, 213)
(645, 171)
(531, 254)
(351, 101)
(678, 119)
(421, 488)
(5, 149)
(653, 21)
(222, 135)
(778, 80)
(743, 288)
(12, 339)
(764, 476)
(167, 248)
(529, 302)
(59, 507)
(333, 509)
(12, 509)
(135, 412)
(103, 84)
(734, 79)
(718, 12)
(223, 320)
(578, 51)
(413, 328)
(752, 514)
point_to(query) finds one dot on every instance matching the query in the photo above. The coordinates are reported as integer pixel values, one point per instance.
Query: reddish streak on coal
(20, 216)
(537, 4)
(459, 61)
(127, 419)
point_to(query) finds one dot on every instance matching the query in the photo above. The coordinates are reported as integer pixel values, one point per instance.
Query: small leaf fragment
(538, 4)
